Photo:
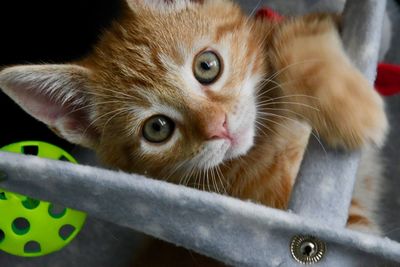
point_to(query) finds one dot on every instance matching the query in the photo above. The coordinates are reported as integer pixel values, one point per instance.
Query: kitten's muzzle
(217, 128)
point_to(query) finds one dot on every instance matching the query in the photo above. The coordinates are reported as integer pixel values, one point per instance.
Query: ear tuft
(55, 95)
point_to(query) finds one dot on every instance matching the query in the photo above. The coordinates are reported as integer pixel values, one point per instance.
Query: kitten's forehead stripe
(228, 27)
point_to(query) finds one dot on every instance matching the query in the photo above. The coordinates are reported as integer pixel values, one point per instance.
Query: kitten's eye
(207, 67)
(158, 129)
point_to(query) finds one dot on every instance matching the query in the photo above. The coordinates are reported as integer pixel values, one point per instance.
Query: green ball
(30, 227)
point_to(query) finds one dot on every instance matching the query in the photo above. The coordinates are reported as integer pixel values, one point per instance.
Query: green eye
(158, 129)
(207, 67)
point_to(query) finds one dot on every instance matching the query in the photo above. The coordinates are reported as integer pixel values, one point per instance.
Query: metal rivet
(307, 249)
(3, 176)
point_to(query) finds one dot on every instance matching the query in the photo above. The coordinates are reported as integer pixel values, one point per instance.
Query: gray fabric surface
(327, 169)
(332, 170)
(236, 232)
(390, 203)
(393, 55)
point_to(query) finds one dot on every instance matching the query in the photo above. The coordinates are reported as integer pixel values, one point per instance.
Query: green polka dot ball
(31, 227)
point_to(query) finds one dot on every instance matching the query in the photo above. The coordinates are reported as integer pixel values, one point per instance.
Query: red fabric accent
(388, 79)
(270, 14)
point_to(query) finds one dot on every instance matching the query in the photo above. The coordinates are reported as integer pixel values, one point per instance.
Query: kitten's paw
(352, 113)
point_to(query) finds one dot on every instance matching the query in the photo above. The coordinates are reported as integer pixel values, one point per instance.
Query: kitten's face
(168, 89)
(185, 84)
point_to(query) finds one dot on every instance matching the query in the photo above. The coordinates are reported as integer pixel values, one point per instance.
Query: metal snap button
(3, 176)
(307, 249)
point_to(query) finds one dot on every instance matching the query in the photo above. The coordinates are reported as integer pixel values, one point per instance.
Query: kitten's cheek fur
(244, 143)
(246, 134)
(243, 132)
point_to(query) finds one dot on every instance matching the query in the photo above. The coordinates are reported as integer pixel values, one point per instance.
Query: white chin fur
(212, 154)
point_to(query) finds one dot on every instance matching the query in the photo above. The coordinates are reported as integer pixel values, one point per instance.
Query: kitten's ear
(159, 3)
(55, 95)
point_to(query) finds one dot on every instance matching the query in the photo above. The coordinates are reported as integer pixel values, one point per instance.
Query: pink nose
(216, 128)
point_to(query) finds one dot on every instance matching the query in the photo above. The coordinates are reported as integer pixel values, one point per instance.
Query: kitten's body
(245, 133)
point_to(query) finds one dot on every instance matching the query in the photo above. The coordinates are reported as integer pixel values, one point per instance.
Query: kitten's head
(170, 86)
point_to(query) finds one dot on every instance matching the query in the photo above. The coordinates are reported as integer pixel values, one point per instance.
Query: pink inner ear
(49, 110)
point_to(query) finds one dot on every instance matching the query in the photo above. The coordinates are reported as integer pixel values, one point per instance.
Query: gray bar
(324, 186)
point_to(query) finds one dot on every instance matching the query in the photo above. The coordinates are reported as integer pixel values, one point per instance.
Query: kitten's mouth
(230, 138)
(217, 151)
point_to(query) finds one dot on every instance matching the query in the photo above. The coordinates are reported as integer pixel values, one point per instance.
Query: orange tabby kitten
(196, 93)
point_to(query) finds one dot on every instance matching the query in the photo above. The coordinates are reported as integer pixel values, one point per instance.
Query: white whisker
(289, 103)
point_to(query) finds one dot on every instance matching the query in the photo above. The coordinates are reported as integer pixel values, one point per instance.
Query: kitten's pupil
(156, 126)
(206, 65)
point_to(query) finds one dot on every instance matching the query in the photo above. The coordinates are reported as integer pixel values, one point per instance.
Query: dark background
(47, 31)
